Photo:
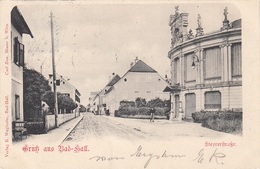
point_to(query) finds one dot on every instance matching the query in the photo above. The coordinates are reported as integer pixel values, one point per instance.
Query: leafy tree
(140, 102)
(157, 102)
(82, 108)
(64, 102)
(34, 86)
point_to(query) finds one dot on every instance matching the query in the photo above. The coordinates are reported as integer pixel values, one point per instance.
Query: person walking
(152, 111)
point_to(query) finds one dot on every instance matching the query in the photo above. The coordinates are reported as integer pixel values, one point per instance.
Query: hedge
(144, 111)
(225, 121)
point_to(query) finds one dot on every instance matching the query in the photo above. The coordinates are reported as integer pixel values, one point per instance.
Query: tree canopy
(34, 86)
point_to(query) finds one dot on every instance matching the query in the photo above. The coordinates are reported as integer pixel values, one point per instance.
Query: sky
(92, 41)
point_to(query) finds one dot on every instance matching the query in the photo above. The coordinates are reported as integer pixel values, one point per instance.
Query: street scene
(127, 71)
(100, 127)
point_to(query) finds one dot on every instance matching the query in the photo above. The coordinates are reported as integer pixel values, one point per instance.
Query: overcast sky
(94, 40)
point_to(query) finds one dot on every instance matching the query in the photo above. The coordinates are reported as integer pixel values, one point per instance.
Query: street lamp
(195, 58)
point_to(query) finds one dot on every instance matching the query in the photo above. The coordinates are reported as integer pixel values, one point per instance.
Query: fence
(62, 118)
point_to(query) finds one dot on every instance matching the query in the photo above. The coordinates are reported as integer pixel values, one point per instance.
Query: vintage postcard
(129, 84)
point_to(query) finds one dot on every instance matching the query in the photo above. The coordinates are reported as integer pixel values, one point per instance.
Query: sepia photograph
(123, 85)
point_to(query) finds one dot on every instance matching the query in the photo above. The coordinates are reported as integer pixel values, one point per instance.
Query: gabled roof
(115, 79)
(140, 66)
(19, 23)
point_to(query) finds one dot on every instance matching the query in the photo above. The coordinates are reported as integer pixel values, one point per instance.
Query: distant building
(18, 28)
(92, 103)
(139, 81)
(206, 68)
(65, 88)
(100, 98)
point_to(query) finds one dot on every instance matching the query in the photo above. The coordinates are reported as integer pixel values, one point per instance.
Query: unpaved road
(99, 127)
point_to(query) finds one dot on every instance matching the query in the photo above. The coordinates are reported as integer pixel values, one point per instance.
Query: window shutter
(236, 59)
(16, 51)
(212, 63)
(21, 55)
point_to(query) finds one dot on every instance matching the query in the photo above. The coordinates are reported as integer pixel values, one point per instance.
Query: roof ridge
(141, 66)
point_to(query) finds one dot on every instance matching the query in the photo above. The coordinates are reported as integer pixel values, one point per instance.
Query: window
(77, 98)
(148, 95)
(18, 52)
(189, 72)
(212, 63)
(58, 82)
(176, 69)
(213, 100)
(148, 78)
(236, 60)
(17, 107)
(136, 79)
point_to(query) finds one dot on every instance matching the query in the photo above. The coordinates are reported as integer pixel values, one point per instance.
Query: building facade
(206, 69)
(65, 88)
(139, 81)
(18, 28)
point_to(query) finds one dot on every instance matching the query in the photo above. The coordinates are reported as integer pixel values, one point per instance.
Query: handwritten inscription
(103, 158)
(150, 156)
(215, 156)
(139, 153)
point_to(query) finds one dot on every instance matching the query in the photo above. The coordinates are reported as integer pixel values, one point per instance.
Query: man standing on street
(152, 111)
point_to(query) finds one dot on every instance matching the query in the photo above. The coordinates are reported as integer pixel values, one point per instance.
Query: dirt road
(99, 127)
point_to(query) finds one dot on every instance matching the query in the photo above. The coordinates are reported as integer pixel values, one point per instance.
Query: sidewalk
(53, 137)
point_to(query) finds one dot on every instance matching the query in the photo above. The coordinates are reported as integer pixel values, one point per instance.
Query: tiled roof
(140, 66)
(19, 23)
(115, 79)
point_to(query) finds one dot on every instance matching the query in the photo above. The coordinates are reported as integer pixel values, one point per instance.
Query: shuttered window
(18, 53)
(212, 63)
(236, 59)
(189, 72)
(213, 100)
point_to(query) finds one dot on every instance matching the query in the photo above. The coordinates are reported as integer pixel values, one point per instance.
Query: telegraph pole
(54, 76)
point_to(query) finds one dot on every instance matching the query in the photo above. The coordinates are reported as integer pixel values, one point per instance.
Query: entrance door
(190, 105)
(177, 100)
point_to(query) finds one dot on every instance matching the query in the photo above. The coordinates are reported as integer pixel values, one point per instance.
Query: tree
(82, 108)
(140, 102)
(158, 103)
(34, 86)
(64, 102)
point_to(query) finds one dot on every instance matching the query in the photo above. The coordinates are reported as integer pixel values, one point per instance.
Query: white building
(206, 68)
(139, 81)
(18, 28)
(64, 87)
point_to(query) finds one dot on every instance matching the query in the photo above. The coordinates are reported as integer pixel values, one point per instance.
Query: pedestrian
(152, 111)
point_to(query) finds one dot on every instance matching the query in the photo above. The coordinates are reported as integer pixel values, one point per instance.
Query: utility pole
(54, 76)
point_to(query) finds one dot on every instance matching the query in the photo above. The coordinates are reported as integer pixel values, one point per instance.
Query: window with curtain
(189, 72)
(236, 59)
(213, 100)
(212, 63)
